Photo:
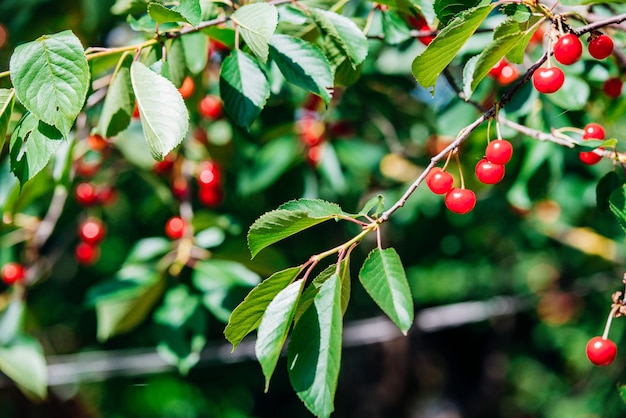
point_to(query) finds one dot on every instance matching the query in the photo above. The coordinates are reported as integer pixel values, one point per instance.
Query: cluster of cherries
(489, 170)
(208, 179)
(591, 131)
(91, 232)
(12, 273)
(567, 50)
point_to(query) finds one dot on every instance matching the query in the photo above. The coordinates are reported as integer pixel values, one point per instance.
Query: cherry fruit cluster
(567, 50)
(592, 131)
(91, 232)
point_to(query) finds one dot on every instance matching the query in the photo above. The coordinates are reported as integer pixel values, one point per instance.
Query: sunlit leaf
(290, 218)
(275, 326)
(343, 32)
(23, 361)
(257, 22)
(247, 316)
(383, 277)
(314, 352)
(119, 102)
(243, 87)
(7, 99)
(163, 113)
(446, 45)
(51, 78)
(32, 144)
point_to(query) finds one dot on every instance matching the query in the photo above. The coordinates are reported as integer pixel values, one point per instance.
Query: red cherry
(86, 253)
(600, 47)
(97, 142)
(180, 188)
(460, 201)
(548, 80)
(537, 37)
(136, 112)
(210, 196)
(439, 181)
(91, 231)
(601, 351)
(165, 166)
(107, 196)
(208, 174)
(568, 49)
(488, 172)
(175, 227)
(612, 87)
(497, 69)
(86, 194)
(87, 167)
(12, 273)
(187, 88)
(589, 157)
(593, 131)
(499, 151)
(210, 107)
(508, 74)
(420, 23)
(311, 130)
(314, 155)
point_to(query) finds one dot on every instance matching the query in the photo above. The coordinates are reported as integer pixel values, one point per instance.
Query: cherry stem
(497, 118)
(458, 164)
(605, 334)
(445, 165)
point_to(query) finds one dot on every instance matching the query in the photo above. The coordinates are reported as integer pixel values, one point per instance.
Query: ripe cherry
(508, 74)
(439, 181)
(175, 227)
(499, 151)
(86, 253)
(314, 155)
(496, 70)
(107, 195)
(164, 167)
(601, 351)
(91, 231)
(187, 88)
(489, 172)
(548, 80)
(12, 273)
(311, 130)
(208, 174)
(612, 87)
(568, 49)
(180, 188)
(210, 196)
(593, 131)
(97, 142)
(600, 47)
(210, 107)
(136, 114)
(460, 201)
(86, 194)
(589, 158)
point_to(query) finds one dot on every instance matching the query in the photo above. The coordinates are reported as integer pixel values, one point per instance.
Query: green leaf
(243, 87)
(490, 56)
(312, 290)
(181, 327)
(23, 361)
(124, 7)
(215, 278)
(427, 66)
(383, 277)
(302, 64)
(191, 11)
(446, 10)
(395, 28)
(119, 102)
(247, 316)
(343, 32)
(517, 53)
(176, 67)
(11, 321)
(290, 218)
(605, 187)
(617, 204)
(162, 14)
(275, 326)
(257, 22)
(268, 164)
(163, 113)
(123, 303)
(148, 249)
(314, 353)
(51, 78)
(32, 145)
(7, 99)
(192, 43)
